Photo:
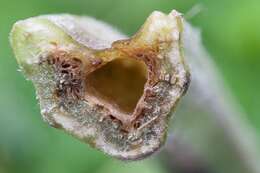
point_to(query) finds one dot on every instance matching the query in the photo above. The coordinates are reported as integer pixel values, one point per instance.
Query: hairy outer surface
(112, 92)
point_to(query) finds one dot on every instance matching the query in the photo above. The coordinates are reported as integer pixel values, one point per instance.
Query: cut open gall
(112, 92)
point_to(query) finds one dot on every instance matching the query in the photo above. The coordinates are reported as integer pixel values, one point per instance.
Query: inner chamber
(118, 85)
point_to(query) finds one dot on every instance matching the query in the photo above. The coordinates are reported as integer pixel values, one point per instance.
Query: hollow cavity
(118, 85)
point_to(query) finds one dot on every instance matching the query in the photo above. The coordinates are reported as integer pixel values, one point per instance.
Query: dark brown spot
(137, 124)
(68, 70)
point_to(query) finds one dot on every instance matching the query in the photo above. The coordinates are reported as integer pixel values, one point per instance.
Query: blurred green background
(231, 33)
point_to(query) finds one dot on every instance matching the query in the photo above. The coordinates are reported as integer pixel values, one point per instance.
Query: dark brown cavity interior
(118, 84)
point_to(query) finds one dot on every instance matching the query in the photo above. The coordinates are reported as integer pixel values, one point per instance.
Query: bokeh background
(230, 31)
